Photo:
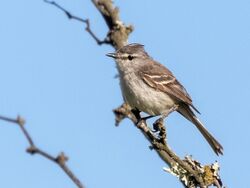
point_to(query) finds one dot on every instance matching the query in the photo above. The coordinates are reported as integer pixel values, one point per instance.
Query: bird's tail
(186, 111)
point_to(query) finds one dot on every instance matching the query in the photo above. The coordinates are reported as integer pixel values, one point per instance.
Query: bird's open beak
(113, 55)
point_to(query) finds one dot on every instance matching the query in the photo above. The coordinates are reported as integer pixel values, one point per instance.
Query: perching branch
(189, 171)
(60, 160)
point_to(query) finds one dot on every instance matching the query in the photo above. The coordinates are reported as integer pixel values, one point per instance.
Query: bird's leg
(164, 115)
(159, 124)
(172, 109)
(147, 117)
(136, 113)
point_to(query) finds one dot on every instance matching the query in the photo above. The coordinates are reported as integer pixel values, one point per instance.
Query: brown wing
(160, 78)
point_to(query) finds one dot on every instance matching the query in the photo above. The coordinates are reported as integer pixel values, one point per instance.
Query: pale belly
(141, 96)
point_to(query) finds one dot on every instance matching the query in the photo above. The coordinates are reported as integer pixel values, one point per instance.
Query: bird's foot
(159, 127)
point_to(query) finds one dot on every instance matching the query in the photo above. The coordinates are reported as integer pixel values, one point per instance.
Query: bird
(149, 87)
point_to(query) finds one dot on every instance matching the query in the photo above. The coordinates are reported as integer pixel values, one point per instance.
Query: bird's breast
(143, 97)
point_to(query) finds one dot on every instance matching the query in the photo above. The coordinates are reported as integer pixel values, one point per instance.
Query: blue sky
(55, 76)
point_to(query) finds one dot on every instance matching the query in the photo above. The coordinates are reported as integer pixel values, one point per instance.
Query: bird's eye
(130, 57)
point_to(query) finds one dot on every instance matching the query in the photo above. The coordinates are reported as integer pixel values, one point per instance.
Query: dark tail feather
(189, 114)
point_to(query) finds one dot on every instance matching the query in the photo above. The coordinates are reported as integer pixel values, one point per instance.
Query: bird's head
(131, 55)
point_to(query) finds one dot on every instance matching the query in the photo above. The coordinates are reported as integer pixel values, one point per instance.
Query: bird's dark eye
(130, 57)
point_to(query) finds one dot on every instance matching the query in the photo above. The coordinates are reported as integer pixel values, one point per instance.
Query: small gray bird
(150, 87)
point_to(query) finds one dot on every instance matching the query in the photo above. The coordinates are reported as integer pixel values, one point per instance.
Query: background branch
(70, 16)
(60, 160)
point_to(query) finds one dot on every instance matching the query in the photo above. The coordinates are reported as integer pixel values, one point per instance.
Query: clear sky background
(53, 74)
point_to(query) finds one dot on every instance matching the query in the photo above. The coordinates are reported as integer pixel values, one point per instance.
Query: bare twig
(33, 149)
(85, 21)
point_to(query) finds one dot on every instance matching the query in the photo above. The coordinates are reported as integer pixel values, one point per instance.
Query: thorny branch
(60, 160)
(189, 171)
